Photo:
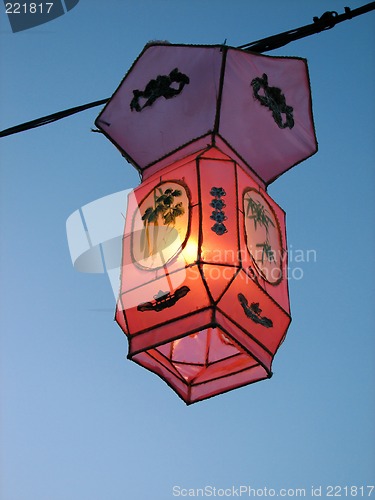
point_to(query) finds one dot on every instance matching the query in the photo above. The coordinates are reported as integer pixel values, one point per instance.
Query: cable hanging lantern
(203, 296)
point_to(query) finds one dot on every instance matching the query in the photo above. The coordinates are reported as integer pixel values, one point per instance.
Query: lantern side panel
(264, 258)
(177, 89)
(266, 112)
(219, 225)
(202, 364)
(243, 377)
(255, 312)
(161, 301)
(166, 332)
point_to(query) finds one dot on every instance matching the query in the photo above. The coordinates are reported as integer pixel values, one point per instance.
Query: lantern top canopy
(178, 99)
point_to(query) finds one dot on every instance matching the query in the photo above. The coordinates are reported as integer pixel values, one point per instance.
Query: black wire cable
(327, 21)
(50, 118)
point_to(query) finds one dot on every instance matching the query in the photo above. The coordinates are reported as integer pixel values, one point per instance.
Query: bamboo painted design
(261, 218)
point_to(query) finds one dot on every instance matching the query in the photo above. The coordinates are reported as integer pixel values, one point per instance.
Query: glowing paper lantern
(204, 295)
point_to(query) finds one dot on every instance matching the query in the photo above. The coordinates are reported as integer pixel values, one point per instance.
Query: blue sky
(79, 421)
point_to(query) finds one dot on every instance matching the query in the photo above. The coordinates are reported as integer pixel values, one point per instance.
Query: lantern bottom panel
(218, 364)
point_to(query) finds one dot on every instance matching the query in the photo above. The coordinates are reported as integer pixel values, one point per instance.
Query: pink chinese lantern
(204, 294)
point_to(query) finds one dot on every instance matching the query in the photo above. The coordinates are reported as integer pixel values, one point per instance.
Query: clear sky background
(78, 420)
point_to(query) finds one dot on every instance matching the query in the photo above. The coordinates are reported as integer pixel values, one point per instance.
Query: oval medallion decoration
(160, 225)
(263, 236)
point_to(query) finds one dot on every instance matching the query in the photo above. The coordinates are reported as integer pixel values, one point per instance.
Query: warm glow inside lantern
(204, 298)
(204, 294)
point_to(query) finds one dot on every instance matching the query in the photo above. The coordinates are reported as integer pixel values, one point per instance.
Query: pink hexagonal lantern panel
(177, 99)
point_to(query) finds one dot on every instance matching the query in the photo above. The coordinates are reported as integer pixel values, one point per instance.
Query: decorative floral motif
(161, 86)
(217, 192)
(219, 228)
(218, 215)
(217, 204)
(274, 100)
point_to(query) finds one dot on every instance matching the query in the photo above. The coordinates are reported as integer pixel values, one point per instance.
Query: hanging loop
(326, 21)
